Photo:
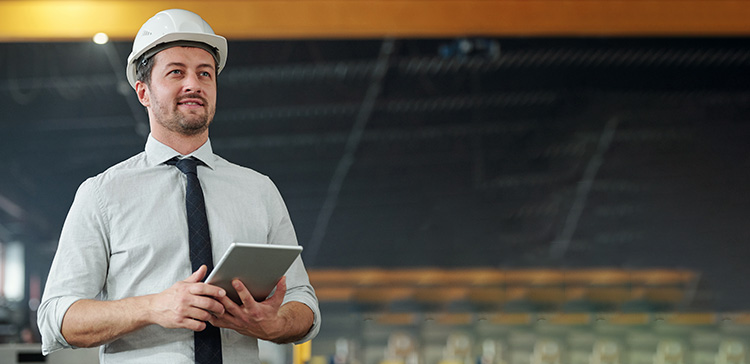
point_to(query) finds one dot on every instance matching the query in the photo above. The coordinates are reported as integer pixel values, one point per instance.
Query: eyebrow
(172, 64)
(180, 64)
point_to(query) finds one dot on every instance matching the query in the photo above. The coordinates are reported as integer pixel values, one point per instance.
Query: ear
(141, 89)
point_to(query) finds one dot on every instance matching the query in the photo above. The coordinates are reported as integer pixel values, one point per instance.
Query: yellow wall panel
(58, 20)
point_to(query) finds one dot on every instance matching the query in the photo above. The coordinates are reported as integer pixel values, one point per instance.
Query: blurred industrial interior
(505, 196)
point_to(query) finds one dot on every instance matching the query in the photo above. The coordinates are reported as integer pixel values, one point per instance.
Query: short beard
(179, 123)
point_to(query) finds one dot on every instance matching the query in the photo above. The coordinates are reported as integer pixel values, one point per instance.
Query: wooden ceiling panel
(58, 20)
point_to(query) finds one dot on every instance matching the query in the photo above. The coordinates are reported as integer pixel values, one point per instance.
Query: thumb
(198, 275)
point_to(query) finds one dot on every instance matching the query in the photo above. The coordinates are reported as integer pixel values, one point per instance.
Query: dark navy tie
(208, 341)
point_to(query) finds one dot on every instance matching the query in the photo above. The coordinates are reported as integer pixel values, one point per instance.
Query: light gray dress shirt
(126, 235)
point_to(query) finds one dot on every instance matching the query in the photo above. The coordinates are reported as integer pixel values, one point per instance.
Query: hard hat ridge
(175, 27)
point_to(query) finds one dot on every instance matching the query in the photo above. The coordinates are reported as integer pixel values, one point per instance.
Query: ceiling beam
(60, 20)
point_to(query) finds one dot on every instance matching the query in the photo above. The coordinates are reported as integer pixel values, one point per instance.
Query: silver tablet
(258, 266)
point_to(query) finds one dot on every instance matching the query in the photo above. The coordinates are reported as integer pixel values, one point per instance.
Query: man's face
(181, 97)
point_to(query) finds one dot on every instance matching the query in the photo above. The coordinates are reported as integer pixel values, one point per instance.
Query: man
(124, 276)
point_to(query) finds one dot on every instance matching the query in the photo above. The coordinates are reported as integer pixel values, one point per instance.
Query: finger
(198, 275)
(230, 307)
(223, 321)
(205, 289)
(215, 322)
(195, 325)
(278, 295)
(208, 304)
(195, 314)
(245, 296)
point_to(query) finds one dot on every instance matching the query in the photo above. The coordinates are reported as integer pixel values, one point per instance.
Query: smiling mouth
(191, 103)
(191, 100)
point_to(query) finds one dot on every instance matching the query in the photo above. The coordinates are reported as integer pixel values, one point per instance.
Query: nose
(192, 83)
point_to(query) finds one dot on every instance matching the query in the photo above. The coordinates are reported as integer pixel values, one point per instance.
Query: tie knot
(185, 165)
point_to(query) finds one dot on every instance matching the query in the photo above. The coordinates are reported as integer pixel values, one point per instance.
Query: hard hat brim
(215, 41)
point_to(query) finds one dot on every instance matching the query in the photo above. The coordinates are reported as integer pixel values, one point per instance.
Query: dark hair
(143, 67)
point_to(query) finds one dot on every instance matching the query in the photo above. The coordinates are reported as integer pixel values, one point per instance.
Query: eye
(206, 74)
(176, 72)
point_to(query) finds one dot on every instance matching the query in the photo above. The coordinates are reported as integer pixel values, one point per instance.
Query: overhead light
(101, 38)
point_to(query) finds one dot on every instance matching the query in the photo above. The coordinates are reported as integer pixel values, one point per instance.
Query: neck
(183, 144)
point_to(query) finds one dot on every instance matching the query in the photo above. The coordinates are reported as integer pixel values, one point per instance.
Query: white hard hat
(175, 25)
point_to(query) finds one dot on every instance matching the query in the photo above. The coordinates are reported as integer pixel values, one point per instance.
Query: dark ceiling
(491, 152)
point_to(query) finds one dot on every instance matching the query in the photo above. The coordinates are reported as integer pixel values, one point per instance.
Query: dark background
(481, 152)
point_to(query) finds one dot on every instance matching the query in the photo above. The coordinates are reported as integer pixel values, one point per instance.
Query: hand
(187, 304)
(256, 319)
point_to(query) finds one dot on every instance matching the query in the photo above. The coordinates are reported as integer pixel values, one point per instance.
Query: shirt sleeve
(79, 267)
(298, 284)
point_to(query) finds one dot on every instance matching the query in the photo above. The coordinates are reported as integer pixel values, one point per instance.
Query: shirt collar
(158, 153)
